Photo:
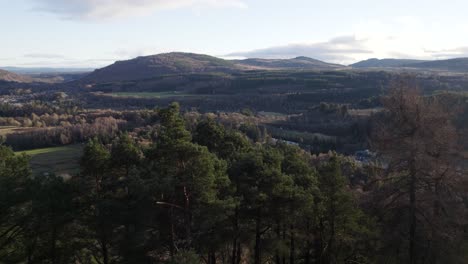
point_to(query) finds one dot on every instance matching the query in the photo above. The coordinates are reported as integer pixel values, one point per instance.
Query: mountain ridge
(180, 63)
(300, 62)
(387, 62)
(145, 67)
(455, 64)
(7, 76)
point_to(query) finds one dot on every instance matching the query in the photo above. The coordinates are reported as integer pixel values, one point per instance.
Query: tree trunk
(234, 251)
(239, 253)
(278, 236)
(318, 244)
(412, 227)
(212, 258)
(105, 253)
(292, 249)
(258, 237)
(188, 216)
(308, 244)
(236, 234)
(284, 241)
(53, 250)
(173, 234)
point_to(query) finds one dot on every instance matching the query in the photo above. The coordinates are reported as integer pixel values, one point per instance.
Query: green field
(63, 161)
(150, 94)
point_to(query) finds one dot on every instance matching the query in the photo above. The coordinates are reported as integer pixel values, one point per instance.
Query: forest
(177, 185)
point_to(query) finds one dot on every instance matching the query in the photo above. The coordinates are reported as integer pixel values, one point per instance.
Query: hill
(384, 63)
(158, 65)
(178, 63)
(7, 76)
(46, 70)
(294, 63)
(458, 64)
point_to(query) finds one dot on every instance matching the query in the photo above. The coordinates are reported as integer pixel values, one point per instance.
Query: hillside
(157, 65)
(13, 77)
(458, 64)
(384, 63)
(294, 63)
(46, 70)
(176, 63)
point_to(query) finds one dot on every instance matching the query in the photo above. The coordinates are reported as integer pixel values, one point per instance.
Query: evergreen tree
(344, 233)
(14, 196)
(187, 181)
(98, 189)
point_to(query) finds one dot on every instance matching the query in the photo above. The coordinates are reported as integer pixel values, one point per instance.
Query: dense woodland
(182, 187)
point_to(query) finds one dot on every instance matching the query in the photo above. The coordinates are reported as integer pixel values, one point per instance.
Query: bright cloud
(403, 37)
(106, 9)
(340, 50)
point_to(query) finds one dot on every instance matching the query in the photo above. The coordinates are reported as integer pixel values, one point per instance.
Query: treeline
(104, 128)
(50, 104)
(47, 130)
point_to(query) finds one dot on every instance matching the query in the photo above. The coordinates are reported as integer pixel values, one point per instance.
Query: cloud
(339, 50)
(107, 9)
(44, 56)
(400, 38)
(449, 53)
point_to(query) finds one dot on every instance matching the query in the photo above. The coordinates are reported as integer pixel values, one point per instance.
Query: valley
(225, 151)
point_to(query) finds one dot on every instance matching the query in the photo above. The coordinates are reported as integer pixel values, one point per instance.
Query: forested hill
(456, 65)
(294, 63)
(177, 63)
(162, 64)
(384, 63)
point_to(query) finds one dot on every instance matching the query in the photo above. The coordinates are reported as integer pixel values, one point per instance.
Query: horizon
(96, 33)
(24, 69)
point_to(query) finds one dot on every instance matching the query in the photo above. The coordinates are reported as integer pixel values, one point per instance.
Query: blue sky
(94, 33)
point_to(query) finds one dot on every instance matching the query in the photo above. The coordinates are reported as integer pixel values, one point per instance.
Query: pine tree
(187, 179)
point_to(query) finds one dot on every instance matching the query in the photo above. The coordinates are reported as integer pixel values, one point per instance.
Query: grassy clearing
(62, 161)
(272, 114)
(299, 137)
(364, 112)
(5, 130)
(150, 94)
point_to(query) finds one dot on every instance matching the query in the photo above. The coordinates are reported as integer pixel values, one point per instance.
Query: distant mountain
(174, 63)
(162, 64)
(384, 63)
(458, 65)
(45, 70)
(7, 76)
(295, 63)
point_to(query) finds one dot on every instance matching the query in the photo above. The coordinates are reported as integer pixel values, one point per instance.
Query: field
(5, 130)
(62, 161)
(297, 136)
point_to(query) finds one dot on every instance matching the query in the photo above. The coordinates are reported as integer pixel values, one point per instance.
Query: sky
(95, 33)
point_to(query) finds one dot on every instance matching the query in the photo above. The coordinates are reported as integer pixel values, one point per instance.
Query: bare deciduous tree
(419, 192)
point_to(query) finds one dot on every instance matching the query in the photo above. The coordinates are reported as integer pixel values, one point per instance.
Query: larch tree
(419, 194)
